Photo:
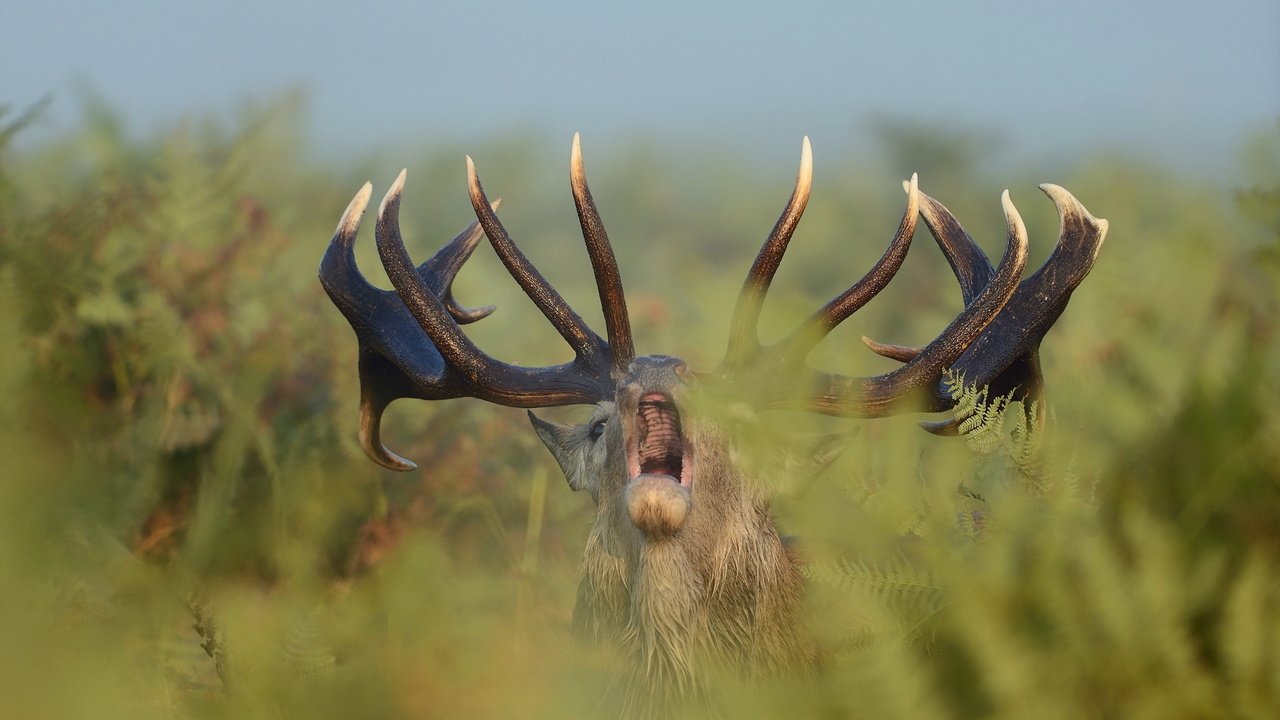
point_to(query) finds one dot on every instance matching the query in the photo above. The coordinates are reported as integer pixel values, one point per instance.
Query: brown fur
(721, 591)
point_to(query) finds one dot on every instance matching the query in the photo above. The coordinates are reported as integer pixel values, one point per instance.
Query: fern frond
(306, 650)
(898, 584)
(1011, 436)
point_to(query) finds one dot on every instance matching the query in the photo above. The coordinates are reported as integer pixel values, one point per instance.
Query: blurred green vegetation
(188, 529)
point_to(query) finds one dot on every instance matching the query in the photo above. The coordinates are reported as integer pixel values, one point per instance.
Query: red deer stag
(684, 565)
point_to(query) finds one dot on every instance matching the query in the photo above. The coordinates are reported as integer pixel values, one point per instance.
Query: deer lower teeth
(661, 446)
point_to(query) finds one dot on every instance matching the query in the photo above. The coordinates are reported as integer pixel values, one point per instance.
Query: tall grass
(187, 528)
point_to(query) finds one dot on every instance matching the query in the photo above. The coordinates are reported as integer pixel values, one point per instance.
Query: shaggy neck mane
(722, 592)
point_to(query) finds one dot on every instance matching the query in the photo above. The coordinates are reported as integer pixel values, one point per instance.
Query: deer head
(683, 562)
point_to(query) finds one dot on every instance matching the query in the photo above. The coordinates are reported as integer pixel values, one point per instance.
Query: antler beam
(410, 341)
(1006, 356)
(994, 341)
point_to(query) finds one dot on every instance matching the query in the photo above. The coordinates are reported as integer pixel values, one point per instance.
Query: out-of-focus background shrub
(190, 530)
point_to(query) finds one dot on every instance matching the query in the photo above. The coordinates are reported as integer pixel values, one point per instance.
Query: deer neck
(723, 589)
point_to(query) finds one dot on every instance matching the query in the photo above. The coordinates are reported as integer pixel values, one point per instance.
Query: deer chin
(659, 467)
(658, 506)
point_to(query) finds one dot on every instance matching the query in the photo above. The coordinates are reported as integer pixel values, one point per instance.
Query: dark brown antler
(1006, 355)
(603, 264)
(395, 358)
(410, 342)
(744, 340)
(994, 341)
(878, 396)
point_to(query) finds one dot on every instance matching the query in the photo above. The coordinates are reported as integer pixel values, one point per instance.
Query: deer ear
(566, 447)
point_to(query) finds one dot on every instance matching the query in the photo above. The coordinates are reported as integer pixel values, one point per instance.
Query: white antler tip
(1007, 203)
(1068, 207)
(473, 178)
(1066, 202)
(350, 221)
(1012, 215)
(576, 170)
(804, 178)
(391, 201)
(912, 187)
(362, 197)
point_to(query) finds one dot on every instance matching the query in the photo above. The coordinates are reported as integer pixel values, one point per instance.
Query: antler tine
(338, 272)
(486, 377)
(425, 307)
(875, 396)
(822, 322)
(369, 434)
(1080, 234)
(970, 265)
(1006, 356)
(410, 344)
(440, 270)
(743, 332)
(352, 293)
(395, 359)
(901, 353)
(613, 301)
(584, 341)
(968, 262)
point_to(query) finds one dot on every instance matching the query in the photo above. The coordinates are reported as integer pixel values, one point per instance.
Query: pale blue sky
(1180, 82)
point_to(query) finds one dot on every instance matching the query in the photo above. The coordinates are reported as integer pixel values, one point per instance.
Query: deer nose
(657, 373)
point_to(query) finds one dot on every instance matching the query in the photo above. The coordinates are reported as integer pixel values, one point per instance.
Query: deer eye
(597, 429)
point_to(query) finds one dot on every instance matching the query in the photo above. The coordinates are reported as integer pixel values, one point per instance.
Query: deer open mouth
(657, 445)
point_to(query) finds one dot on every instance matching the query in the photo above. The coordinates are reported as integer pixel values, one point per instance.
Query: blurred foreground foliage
(189, 529)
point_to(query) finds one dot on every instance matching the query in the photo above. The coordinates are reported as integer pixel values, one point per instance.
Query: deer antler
(994, 340)
(410, 341)
(1006, 356)
(395, 359)
(411, 344)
